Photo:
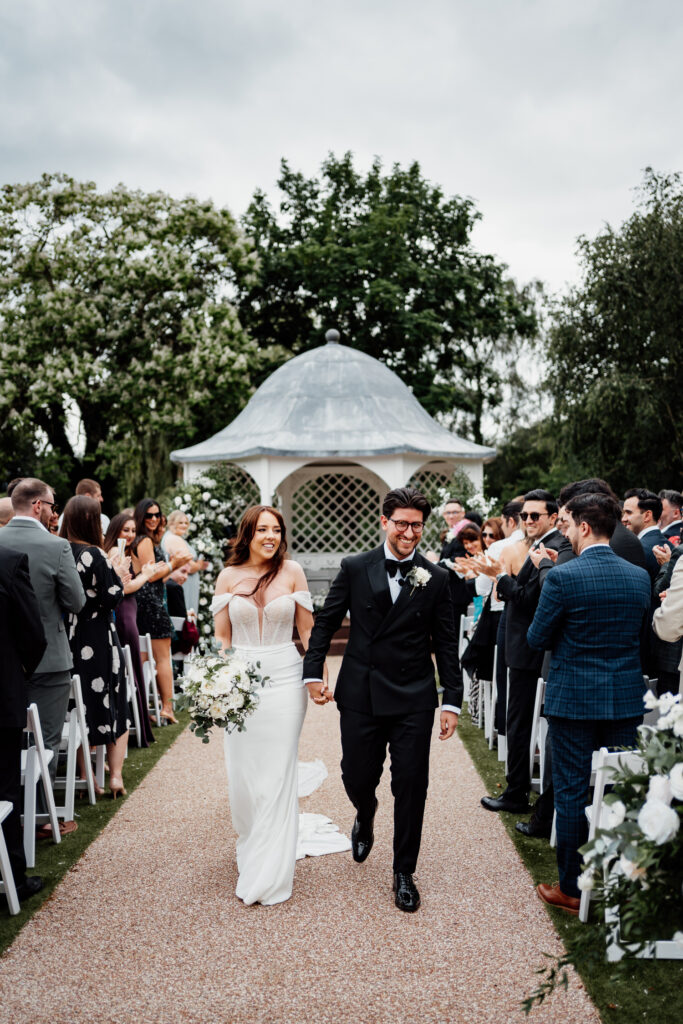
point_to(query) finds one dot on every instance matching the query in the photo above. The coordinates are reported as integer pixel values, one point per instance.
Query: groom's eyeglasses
(533, 516)
(401, 526)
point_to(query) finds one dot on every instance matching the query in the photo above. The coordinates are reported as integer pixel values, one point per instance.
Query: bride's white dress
(263, 776)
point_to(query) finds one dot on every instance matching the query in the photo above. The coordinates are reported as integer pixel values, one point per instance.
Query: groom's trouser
(364, 748)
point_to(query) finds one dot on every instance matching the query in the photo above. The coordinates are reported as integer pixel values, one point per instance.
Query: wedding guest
(594, 693)
(187, 636)
(668, 619)
(492, 531)
(153, 617)
(22, 645)
(454, 515)
(174, 542)
(641, 512)
(58, 589)
(474, 517)
(521, 595)
(122, 527)
(97, 653)
(670, 521)
(91, 489)
(6, 511)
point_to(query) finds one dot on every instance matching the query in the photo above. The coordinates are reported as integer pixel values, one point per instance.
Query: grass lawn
(649, 991)
(53, 861)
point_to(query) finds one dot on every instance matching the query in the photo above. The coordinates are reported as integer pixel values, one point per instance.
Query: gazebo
(325, 437)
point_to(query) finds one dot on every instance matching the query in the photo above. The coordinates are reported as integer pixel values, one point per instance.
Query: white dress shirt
(32, 519)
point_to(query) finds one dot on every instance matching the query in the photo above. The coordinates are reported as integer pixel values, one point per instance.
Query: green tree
(118, 339)
(616, 364)
(388, 260)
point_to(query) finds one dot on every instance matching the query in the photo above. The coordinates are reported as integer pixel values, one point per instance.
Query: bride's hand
(317, 692)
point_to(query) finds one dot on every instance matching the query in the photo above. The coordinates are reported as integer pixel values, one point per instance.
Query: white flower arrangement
(221, 690)
(418, 578)
(634, 860)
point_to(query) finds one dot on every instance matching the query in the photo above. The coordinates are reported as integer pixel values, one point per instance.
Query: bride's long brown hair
(239, 549)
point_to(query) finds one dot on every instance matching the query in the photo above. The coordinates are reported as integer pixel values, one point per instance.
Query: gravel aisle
(146, 928)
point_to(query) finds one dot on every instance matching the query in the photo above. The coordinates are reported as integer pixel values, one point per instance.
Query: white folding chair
(539, 729)
(75, 736)
(466, 623)
(606, 764)
(132, 693)
(488, 695)
(178, 623)
(35, 771)
(7, 884)
(149, 674)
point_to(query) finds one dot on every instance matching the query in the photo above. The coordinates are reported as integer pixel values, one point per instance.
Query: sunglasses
(152, 515)
(533, 516)
(487, 533)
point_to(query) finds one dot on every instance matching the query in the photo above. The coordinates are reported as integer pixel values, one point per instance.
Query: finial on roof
(332, 337)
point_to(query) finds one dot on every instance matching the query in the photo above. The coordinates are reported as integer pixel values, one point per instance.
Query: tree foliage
(388, 260)
(118, 341)
(614, 347)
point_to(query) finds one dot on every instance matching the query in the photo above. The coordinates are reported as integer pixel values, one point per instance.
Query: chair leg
(30, 783)
(8, 884)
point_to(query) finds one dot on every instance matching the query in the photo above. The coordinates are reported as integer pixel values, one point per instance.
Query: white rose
(177, 500)
(630, 869)
(205, 496)
(658, 822)
(585, 881)
(615, 815)
(676, 780)
(187, 497)
(667, 701)
(660, 789)
(216, 711)
(650, 701)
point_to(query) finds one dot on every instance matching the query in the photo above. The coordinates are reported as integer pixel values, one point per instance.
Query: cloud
(544, 113)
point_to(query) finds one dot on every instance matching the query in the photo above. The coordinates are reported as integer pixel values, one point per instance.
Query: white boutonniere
(418, 577)
(451, 535)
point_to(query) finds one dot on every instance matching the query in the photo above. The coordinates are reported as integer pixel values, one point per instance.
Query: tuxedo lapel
(379, 585)
(403, 600)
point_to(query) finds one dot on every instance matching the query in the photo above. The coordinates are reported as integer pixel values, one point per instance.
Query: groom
(400, 606)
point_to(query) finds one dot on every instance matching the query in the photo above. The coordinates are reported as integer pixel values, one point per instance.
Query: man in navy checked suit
(590, 615)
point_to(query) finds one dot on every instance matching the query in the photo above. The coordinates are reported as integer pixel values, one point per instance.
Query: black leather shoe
(407, 896)
(29, 887)
(533, 829)
(362, 837)
(501, 803)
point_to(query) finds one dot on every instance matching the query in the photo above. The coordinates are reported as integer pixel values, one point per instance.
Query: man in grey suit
(58, 588)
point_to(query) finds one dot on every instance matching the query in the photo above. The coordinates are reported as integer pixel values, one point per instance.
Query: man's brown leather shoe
(553, 895)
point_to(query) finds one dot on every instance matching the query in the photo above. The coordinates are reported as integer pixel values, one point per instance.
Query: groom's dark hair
(406, 497)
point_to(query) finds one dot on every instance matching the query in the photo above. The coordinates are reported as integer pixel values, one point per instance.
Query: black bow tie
(392, 567)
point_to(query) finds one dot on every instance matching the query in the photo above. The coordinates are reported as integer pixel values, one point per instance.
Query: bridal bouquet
(220, 689)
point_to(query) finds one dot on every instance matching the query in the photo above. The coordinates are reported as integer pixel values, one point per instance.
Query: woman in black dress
(153, 617)
(122, 527)
(97, 654)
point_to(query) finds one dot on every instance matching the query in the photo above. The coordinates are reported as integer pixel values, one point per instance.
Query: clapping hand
(538, 554)
(121, 566)
(662, 553)
(487, 566)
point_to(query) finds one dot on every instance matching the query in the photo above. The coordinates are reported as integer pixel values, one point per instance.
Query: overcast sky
(544, 112)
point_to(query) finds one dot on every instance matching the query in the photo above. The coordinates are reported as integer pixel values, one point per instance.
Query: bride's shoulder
(226, 579)
(295, 572)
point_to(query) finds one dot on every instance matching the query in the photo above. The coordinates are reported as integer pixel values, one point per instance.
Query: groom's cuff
(305, 681)
(450, 707)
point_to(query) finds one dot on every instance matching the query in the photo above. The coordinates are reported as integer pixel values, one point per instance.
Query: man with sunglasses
(400, 606)
(58, 589)
(521, 596)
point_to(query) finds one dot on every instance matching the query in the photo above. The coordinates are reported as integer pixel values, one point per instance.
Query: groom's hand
(318, 692)
(449, 722)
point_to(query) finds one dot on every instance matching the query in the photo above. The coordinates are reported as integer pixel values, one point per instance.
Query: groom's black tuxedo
(386, 690)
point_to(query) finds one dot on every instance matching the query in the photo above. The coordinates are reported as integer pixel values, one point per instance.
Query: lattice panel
(432, 485)
(335, 512)
(244, 485)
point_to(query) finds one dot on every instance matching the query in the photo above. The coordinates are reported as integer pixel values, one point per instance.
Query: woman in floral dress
(97, 654)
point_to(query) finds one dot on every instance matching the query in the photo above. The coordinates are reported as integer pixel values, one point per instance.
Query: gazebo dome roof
(332, 401)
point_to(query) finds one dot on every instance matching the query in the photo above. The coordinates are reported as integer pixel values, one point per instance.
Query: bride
(259, 595)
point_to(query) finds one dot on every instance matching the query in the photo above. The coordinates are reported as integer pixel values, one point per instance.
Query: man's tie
(393, 566)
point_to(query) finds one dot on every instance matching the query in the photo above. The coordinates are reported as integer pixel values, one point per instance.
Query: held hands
(449, 723)
(319, 692)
